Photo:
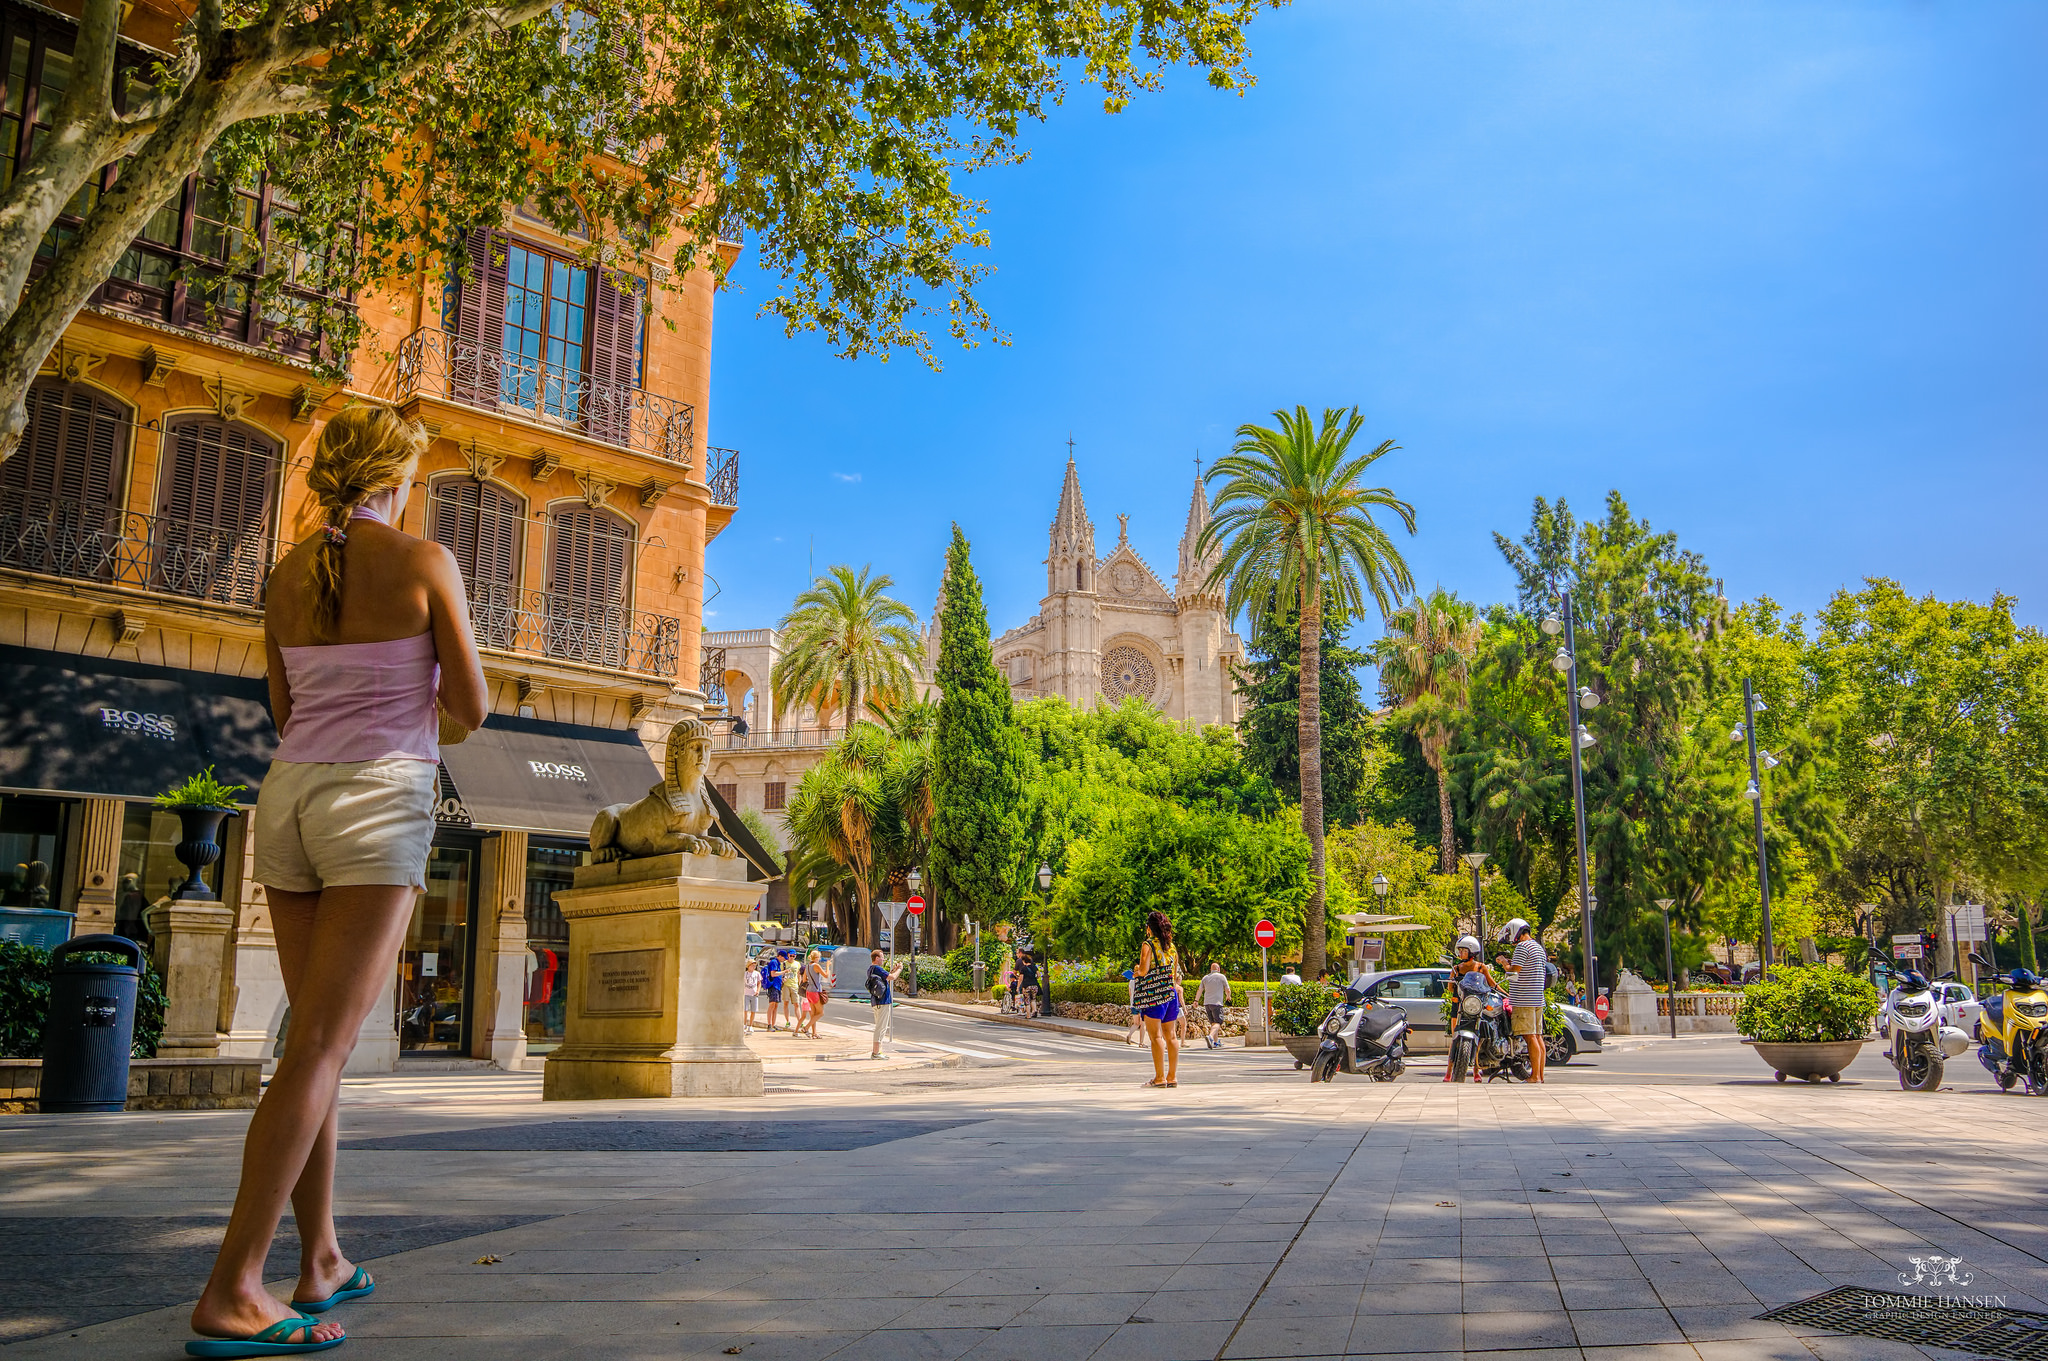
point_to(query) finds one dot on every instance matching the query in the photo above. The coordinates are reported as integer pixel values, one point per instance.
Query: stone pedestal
(1633, 1007)
(189, 937)
(657, 953)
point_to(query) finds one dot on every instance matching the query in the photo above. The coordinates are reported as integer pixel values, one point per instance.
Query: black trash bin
(91, 1026)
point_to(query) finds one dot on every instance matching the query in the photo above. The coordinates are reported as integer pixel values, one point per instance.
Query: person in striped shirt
(1531, 968)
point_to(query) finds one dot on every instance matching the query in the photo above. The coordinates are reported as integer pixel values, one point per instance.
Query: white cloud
(846, 477)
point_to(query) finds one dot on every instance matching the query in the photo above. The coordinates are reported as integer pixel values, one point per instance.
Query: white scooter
(1918, 1038)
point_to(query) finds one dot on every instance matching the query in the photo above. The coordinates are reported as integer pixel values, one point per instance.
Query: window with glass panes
(194, 262)
(547, 321)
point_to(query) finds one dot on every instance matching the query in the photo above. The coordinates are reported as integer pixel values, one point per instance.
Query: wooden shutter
(481, 525)
(475, 351)
(60, 494)
(615, 317)
(586, 588)
(212, 504)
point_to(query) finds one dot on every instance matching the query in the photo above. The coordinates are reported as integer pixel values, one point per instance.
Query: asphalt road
(994, 1052)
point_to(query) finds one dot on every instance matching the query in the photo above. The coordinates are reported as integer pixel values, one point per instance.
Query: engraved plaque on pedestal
(623, 983)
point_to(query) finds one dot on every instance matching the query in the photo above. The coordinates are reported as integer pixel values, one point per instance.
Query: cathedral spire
(1195, 566)
(1070, 556)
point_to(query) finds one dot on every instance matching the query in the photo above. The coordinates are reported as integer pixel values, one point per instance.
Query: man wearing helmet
(1468, 961)
(1525, 994)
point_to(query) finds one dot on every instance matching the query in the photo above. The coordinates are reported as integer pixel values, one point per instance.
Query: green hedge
(1118, 992)
(25, 1001)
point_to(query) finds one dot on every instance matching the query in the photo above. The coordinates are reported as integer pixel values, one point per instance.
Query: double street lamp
(1577, 697)
(1745, 731)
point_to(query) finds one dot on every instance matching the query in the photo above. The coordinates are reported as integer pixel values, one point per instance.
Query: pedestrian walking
(371, 662)
(817, 983)
(882, 993)
(1158, 998)
(1137, 1019)
(771, 985)
(1027, 972)
(1289, 973)
(752, 989)
(1525, 995)
(1215, 995)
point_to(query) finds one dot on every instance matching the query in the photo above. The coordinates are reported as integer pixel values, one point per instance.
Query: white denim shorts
(322, 824)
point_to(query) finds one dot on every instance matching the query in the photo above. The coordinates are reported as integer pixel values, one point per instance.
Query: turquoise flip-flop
(358, 1286)
(269, 1342)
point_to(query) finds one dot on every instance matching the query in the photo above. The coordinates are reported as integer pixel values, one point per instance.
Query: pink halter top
(362, 701)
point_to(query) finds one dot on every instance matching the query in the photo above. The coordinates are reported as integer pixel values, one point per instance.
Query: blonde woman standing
(817, 983)
(367, 634)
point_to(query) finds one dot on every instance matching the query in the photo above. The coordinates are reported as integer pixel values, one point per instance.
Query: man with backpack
(882, 993)
(771, 983)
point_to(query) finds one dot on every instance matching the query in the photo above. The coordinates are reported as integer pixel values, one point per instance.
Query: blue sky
(1777, 271)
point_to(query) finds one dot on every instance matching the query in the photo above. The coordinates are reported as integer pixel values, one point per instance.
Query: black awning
(761, 863)
(101, 727)
(526, 775)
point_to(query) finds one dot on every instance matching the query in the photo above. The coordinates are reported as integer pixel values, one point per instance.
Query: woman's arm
(280, 688)
(464, 696)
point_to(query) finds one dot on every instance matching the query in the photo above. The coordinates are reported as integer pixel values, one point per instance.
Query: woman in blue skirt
(1157, 997)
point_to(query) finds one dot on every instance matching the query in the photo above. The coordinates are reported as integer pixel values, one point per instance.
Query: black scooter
(1362, 1036)
(1482, 1043)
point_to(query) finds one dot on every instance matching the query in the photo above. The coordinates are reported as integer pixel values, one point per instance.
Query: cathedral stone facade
(1109, 628)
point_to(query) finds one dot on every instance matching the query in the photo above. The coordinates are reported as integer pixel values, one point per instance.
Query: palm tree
(831, 818)
(1294, 521)
(1426, 667)
(847, 647)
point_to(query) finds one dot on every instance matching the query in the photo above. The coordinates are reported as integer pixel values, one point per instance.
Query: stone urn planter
(1302, 1047)
(1809, 1060)
(198, 846)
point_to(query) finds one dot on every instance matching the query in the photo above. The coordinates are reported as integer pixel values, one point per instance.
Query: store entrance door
(436, 977)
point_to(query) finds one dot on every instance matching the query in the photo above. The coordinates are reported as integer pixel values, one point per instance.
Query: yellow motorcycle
(2014, 1032)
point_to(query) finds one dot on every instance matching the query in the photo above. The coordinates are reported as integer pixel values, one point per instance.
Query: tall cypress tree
(978, 760)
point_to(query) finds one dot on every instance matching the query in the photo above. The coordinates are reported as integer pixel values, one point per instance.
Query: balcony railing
(711, 675)
(437, 364)
(722, 475)
(102, 543)
(755, 739)
(569, 629)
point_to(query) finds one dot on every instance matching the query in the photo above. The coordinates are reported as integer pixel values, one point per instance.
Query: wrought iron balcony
(711, 675)
(722, 475)
(437, 364)
(92, 542)
(755, 739)
(569, 629)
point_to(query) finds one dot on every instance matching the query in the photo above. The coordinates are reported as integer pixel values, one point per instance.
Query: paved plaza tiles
(1252, 1215)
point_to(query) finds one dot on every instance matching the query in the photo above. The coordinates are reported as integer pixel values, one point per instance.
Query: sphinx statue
(677, 815)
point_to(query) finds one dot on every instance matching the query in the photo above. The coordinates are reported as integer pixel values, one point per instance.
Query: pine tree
(1272, 693)
(977, 838)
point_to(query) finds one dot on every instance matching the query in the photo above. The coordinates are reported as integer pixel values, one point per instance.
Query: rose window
(1127, 671)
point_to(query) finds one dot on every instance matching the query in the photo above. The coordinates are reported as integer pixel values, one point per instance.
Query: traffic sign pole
(1265, 934)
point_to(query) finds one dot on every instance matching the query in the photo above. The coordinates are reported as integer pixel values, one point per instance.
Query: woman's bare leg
(1173, 1051)
(355, 932)
(1156, 1033)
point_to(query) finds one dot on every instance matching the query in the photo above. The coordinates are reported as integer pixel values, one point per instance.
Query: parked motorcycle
(1918, 1038)
(1482, 1043)
(2014, 1031)
(1362, 1036)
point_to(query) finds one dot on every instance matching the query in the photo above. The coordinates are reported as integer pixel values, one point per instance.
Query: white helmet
(1470, 945)
(1513, 930)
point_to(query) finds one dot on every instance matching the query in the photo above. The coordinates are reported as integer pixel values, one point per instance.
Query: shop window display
(32, 851)
(434, 967)
(548, 869)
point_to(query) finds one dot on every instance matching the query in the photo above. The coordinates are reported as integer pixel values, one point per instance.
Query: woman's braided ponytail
(363, 450)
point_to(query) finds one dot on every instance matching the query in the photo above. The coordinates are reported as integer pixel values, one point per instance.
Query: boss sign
(557, 770)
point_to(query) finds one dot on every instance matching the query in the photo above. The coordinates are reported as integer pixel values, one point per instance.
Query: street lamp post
(1670, 974)
(1475, 859)
(916, 881)
(1745, 731)
(1567, 661)
(1045, 965)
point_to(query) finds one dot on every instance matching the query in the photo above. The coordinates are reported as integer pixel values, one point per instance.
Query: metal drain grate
(1962, 1323)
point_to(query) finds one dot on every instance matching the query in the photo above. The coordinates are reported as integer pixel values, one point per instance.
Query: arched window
(60, 495)
(213, 506)
(482, 525)
(586, 585)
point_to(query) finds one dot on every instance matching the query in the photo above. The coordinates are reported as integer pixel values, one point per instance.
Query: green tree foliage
(977, 780)
(1943, 751)
(860, 819)
(1425, 662)
(1803, 1005)
(847, 648)
(1271, 726)
(1294, 521)
(838, 137)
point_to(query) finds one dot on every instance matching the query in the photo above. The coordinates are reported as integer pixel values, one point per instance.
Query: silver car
(1420, 992)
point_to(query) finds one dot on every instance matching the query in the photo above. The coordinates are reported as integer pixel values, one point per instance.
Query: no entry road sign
(1265, 934)
(916, 905)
